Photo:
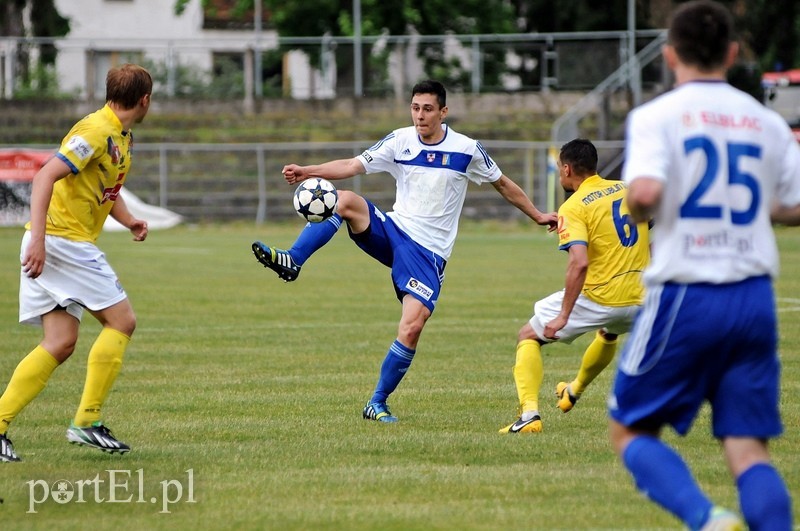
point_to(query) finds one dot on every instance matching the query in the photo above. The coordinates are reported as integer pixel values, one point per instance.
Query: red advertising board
(22, 164)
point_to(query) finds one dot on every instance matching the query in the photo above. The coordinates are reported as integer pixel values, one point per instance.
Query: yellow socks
(102, 368)
(28, 380)
(596, 358)
(528, 374)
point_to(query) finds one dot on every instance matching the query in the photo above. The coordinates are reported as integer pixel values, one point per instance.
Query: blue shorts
(698, 342)
(416, 271)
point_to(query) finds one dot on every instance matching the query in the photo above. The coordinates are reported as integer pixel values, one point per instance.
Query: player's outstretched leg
(97, 436)
(278, 260)
(287, 264)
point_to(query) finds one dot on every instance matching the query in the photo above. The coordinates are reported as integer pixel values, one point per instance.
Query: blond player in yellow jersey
(63, 273)
(602, 289)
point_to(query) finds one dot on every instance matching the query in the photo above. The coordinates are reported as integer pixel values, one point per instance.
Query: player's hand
(33, 259)
(139, 230)
(552, 328)
(549, 219)
(293, 173)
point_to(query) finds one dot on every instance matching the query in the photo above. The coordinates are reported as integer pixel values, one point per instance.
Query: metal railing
(390, 63)
(224, 182)
(566, 126)
(243, 182)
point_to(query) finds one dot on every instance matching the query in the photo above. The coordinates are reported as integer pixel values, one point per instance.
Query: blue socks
(764, 499)
(313, 237)
(662, 476)
(394, 367)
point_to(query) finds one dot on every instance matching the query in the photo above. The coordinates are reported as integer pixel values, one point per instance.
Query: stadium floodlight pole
(358, 88)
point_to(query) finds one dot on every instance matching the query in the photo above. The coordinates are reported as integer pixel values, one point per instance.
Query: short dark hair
(581, 155)
(430, 86)
(701, 32)
(127, 84)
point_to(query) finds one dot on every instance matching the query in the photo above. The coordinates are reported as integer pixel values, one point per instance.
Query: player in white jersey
(432, 166)
(712, 167)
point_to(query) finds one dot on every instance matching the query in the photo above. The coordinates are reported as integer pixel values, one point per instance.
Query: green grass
(256, 386)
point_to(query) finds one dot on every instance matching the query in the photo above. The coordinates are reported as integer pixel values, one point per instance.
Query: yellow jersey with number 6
(596, 216)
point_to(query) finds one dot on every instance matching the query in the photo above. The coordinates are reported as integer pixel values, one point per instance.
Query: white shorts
(586, 316)
(76, 275)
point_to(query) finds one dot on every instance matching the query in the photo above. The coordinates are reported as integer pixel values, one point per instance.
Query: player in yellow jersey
(602, 289)
(63, 272)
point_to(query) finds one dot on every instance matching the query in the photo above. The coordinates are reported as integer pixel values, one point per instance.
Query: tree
(390, 17)
(46, 23)
(770, 29)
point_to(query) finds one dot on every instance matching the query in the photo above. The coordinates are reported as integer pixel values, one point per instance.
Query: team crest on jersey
(113, 151)
(431, 157)
(415, 286)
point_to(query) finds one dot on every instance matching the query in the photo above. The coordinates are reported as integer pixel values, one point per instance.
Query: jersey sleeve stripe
(72, 167)
(486, 158)
(381, 142)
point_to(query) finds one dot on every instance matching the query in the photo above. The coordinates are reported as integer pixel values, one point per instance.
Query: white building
(106, 33)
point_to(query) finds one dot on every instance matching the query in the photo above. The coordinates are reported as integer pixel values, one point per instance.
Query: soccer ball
(315, 200)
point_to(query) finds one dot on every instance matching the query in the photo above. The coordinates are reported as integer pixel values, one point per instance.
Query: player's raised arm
(512, 193)
(331, 170)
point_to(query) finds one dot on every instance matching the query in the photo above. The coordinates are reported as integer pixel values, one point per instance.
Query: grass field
(241, 397)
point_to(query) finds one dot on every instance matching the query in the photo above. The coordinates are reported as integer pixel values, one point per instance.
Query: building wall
(109, 32)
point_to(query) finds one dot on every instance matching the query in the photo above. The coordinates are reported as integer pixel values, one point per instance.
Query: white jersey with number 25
(724, 159)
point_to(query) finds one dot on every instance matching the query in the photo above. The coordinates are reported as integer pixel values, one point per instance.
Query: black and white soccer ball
(316, 199)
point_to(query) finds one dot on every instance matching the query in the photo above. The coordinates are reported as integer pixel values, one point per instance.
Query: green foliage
(39, 83)
(577, 15)
(747, 77)
(228, 79)
(257, 386)
(188, 81)
(771, 31)
(226, 83)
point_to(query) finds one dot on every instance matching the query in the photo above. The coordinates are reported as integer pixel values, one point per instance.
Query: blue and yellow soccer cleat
(278, 260)
(378, 411)
(97, 436)
(722, 519)
(566, 400)
(532, 425)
